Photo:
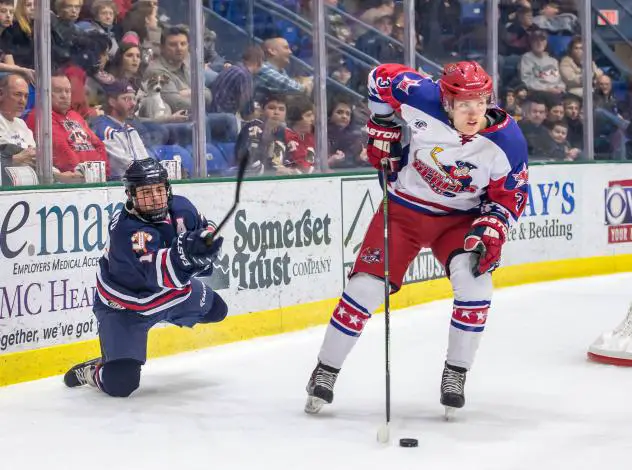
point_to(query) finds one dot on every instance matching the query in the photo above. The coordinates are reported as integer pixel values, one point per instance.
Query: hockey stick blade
(241, 170)
(384, 434)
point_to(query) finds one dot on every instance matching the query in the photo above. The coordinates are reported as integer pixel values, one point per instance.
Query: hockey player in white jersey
(456, 188)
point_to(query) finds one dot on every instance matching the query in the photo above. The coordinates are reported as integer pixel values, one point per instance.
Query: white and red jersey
(443, 171)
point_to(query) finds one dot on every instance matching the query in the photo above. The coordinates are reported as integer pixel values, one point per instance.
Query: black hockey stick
(383, 434)
(241, 170)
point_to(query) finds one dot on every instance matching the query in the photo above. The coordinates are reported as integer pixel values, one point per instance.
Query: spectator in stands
(7, 13)
(550, 19)
(122, 140)
(377, 9)
(301, 145)
(346, 149)
(555, 114)
(142, 20)
(265, 140)
(17, 40)
(511, 105)
(336, 24)
(273, 78)
(538, 70)
(126, 64)
(609, 123)
(73, 141)
(103, 15)
(97, 76)
(157, 22)
(174, 63)
(572, 113)
(571, 67)
(17, 145)
(531, 125)
(212, 60)
(122, 7)
(233, 89)
(556, 146)
(515, 35)
(378, 44)
(68, 12)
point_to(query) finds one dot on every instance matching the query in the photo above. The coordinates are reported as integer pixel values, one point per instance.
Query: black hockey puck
(408, 442)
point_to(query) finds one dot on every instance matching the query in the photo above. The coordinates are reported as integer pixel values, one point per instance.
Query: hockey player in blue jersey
(156, 246)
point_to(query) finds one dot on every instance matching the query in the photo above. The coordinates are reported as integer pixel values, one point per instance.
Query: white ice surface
(533, 400)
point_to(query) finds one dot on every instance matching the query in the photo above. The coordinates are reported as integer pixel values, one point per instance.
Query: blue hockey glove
(192, 252)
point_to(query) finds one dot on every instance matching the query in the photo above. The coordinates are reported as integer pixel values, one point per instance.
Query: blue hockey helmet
(147, 172)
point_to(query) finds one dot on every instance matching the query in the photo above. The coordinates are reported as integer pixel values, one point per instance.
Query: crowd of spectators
(121, 85)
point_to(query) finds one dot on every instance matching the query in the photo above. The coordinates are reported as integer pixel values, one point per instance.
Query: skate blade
(313, 405)
(449, 413)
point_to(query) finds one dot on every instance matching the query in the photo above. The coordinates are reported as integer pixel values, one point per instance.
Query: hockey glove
(193, 254)
(384, 143)
(486, 238)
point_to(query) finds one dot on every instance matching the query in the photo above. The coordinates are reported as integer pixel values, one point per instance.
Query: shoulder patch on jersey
(406, 83)
(140, 240)
(522, 176)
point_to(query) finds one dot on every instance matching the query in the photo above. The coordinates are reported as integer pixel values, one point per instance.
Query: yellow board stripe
(44, 362)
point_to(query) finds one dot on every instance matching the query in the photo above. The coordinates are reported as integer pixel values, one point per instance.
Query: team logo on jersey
(419, 124)
(139, 242)
(449, 179)
(180, 227)
(522, 177)
(407, 83)
(371, 255)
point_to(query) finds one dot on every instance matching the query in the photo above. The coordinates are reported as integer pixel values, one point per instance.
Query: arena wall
(285, 258)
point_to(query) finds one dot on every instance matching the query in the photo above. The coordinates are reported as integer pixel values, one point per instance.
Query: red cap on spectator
(131, 37)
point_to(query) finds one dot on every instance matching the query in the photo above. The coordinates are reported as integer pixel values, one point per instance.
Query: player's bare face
(468, 116)
(151, 197)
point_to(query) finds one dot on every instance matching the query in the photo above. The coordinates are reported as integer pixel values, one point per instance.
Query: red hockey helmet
(464, 81)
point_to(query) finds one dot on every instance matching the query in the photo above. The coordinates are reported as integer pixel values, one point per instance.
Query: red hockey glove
(486, 238)
(384, 143)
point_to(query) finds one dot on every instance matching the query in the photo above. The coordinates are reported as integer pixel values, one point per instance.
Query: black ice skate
(82, 374)
(452, 388)
(320, 388)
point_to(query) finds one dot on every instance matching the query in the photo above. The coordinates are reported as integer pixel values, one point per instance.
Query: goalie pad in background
(614, 347)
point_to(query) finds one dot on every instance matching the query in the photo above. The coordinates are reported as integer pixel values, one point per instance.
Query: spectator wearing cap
(233, 90)
(122, 140)
(538, 70)
(73, 141)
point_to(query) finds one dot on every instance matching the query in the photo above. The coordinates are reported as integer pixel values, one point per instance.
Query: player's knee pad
(120, 378)
(465, 285)
(218, 310)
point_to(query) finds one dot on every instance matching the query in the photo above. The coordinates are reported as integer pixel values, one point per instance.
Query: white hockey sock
(466, 331)
(469, 313)
(362, 295)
